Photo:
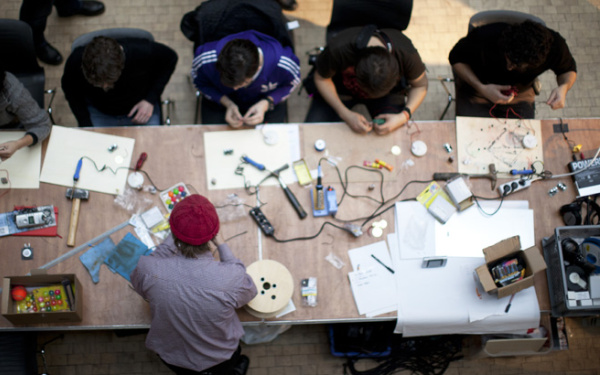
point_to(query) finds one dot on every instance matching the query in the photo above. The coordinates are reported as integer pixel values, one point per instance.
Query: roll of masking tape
(320, 145)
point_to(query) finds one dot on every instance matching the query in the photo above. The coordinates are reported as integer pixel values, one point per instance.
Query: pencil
(380, 262)
(509, 303)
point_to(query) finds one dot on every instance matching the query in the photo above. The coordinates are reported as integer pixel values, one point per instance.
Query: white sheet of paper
(68, 145)
(373, 286)
(251, 143)
(420, 235)
(448, 301)
(24, 166)
(468, 232)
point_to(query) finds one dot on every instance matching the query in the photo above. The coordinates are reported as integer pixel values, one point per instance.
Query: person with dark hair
(246, 78)
(19, 110)
(495, 66)
(363, 65)
(113, 82)
(36, 12)
(192, 296)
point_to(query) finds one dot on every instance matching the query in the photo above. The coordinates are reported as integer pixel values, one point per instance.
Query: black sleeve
(74, 87)
(163, 60)
(561, 60)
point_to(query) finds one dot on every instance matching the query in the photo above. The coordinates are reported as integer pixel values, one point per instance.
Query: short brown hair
(377, 72)
(190, 251)
(103, 61)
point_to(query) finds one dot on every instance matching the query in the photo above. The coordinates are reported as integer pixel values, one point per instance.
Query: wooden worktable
(175, 154)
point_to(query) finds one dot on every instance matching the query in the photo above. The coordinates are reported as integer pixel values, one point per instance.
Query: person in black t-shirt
(496, 64)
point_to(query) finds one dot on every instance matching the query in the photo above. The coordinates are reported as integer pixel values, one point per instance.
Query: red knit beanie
(194, 220)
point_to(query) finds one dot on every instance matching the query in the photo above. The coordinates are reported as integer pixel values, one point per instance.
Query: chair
(119, 33)
(17, 55)
(393, 14)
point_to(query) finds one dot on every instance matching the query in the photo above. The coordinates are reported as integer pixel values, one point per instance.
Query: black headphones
(572, 212)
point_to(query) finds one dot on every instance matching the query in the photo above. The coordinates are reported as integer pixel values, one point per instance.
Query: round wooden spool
(275, 287)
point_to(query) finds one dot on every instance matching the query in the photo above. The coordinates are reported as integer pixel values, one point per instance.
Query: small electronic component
(4, 180)
(320, 145)
(27, 252)
(32, 219)
(331, 201)
(262, 221)
(309, 292)
(113, 147)
(434, 262)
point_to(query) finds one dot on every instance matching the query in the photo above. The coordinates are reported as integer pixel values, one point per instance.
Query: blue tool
(250, 161)
(524, 171)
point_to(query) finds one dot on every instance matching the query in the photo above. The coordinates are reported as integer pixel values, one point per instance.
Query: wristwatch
(407, 110)
(271, 103)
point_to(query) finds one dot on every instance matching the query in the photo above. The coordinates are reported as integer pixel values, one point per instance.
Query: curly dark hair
(526, 43)
(190, 251)
(2, 78)
(377, 71)
(103, 61)
(237, 62)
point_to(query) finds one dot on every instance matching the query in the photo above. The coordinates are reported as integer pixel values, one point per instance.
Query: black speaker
(571, 214)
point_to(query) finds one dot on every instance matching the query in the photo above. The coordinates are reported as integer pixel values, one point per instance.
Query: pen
(380, 262)
(509, 302)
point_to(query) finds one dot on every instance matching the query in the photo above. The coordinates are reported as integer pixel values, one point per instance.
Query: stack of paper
(373, 284)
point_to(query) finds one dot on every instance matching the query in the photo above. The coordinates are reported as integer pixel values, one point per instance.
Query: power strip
(513, 186)
(262, 221)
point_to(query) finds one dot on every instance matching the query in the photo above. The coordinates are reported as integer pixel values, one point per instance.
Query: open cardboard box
(39, 278)
(534, 263)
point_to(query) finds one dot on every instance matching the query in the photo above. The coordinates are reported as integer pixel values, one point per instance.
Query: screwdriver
(76, 175)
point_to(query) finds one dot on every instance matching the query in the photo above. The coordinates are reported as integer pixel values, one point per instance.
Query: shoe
(88, 8)
(48, 54)
(242, 366)
(288, 4)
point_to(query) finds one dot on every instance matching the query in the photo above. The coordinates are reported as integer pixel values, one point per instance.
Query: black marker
(380, 262)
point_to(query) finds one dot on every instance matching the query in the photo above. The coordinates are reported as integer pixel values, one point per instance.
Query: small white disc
(119, 159)
(376, 232)
(320, 145)
(26, 252)
(396, 150)
(381, 224)
(530, 141)
(271, 137)
(418, 148)
(135, 180)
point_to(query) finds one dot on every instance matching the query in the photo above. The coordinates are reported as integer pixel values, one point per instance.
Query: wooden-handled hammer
(76, 195)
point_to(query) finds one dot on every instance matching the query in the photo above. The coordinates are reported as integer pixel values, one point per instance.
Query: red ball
(18, 293)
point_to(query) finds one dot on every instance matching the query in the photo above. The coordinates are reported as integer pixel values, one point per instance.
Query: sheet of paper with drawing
(68, 145)
(224, 150)
(373, 285)
(23, 168)
(507, 143)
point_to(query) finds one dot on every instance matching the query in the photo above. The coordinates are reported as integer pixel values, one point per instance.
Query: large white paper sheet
(448, 302)
(373, 286)
(68, 145)
(23, 168)
(221, 168)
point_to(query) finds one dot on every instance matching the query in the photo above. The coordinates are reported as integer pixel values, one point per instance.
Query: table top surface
(175, 154)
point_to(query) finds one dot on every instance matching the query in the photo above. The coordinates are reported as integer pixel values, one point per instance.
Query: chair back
(393, 14)
(17, 55)
(116, 33)
(507, 16)
(215, 19)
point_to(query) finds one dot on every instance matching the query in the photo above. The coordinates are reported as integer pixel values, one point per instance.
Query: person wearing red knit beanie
(193, 296)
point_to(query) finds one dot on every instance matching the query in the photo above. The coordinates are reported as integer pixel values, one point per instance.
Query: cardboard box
(534, 263)
(39, 278)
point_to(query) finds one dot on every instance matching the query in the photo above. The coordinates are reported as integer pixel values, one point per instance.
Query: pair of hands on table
(7, 149)
(360, 124)
(254, 116)
(496, 94)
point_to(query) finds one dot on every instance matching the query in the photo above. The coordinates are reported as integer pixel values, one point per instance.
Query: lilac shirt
(193, 301)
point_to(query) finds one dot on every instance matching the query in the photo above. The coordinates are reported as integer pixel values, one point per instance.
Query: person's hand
(141, 112)
(357, 122)
(233, 116)
(557, 97)
(218, 239)
(7, 149)
(494, 94)
(256, 113)
(392, 122)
